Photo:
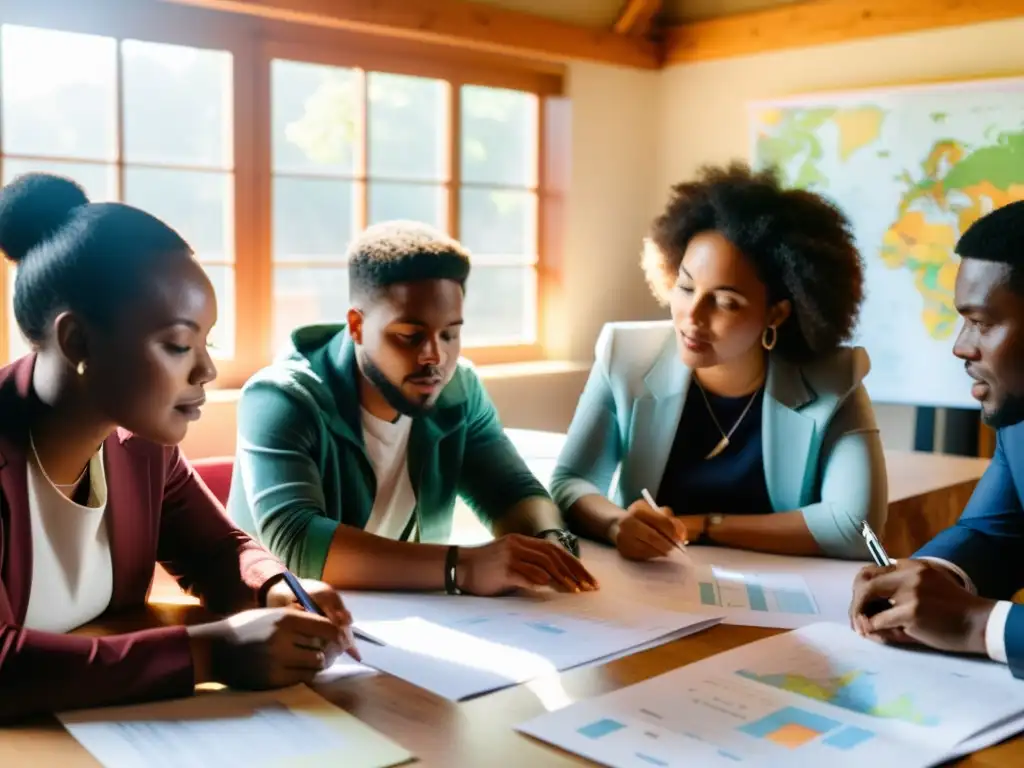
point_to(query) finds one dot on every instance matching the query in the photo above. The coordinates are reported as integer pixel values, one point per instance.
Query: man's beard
(392, 395)
(1009, 413)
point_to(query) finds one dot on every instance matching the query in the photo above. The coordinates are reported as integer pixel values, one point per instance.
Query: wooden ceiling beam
(457, 23)
(823, 22)
(637, 17)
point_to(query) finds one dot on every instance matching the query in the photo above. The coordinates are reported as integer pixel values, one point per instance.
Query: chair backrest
(216, 473)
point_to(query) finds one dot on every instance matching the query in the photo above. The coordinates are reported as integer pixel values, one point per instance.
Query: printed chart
(817, 696)
(760, 592)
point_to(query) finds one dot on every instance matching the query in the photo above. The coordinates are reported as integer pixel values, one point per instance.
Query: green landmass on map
(943, 191)
(854, 691)
(955, 186)
(792, 135)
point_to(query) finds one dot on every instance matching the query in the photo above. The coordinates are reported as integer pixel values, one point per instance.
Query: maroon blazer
(158, 510)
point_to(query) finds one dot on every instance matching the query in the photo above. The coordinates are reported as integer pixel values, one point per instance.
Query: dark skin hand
(922, 604)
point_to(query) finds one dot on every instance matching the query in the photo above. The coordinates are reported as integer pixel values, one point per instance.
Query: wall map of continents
(912, 167)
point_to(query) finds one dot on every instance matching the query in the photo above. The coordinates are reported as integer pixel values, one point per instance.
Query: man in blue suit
(953, 595)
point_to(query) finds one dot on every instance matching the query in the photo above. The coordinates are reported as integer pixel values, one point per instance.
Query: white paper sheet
(290, 727)
(343, 668)
(816, 696)
(458, 647)
(746, 588)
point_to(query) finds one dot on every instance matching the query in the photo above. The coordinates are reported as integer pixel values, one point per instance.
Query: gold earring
(80, 368)
(769, 345)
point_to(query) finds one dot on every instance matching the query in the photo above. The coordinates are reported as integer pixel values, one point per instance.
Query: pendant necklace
(724, 442)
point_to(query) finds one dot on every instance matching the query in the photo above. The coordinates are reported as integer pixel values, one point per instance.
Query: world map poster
(912, 167)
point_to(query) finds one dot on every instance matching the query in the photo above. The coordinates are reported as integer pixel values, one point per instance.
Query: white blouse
(72, 574)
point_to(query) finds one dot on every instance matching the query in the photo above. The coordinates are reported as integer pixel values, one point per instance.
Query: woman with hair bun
(93, 491)
(744, 416)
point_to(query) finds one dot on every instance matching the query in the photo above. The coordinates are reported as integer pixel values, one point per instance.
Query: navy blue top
(732, 483)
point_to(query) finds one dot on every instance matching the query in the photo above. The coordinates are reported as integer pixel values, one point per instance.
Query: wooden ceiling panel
(471, 25)
(586, 13)
(681, 11)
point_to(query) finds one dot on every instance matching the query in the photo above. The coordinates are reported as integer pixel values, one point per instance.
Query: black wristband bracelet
(451, 561)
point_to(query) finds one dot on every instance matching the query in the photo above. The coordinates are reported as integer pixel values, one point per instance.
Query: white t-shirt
(72, 573)
(387, 445)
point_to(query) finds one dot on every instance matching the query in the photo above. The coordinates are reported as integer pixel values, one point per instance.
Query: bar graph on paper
(759, 592)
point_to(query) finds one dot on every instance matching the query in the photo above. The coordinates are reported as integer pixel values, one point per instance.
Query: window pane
(307, 296)
(177, 105)
(98, 181)
(499, 136)
(407, 127)
(222, 338)
(195, 203)
(498, 221)
(58, 94)
(313, 219)
(314, 113)
(501, 306)
(419, 202)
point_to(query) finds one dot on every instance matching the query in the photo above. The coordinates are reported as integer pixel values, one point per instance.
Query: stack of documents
(818, 696)
(458, 647)
(293, 726)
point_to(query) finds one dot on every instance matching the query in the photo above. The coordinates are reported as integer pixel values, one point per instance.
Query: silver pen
(878, 553)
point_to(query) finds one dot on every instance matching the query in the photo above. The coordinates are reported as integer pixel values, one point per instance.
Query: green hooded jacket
(301, 467)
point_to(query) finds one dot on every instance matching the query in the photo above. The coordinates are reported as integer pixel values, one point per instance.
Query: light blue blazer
(822, 451)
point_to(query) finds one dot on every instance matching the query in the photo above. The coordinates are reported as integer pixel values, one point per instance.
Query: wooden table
(927, 493)
(441, 733)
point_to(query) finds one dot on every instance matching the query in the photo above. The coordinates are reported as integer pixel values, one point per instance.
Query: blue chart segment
(600, 729)
(791, 601)
(542, 626)
(792, 728)
(849, 738)
(760, 592)
(651, 760)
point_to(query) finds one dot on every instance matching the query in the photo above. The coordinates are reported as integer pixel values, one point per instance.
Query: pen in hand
(882, 560)
(650, 501)
(310, 606)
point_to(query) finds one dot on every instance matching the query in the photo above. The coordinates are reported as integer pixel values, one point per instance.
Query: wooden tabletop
(480, 732)
(914, 473)
(439, 732)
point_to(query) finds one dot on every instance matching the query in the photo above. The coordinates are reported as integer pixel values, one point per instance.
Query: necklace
(32, 443)
(724, 442)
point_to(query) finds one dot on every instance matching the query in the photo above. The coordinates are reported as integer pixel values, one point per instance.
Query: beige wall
(612, 195)
(703, 106)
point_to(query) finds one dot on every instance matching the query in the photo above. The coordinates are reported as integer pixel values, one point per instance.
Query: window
(145, 123)
(352, 148)
(270, 145)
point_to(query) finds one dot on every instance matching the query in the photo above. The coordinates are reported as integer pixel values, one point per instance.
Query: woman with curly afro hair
(744, 416)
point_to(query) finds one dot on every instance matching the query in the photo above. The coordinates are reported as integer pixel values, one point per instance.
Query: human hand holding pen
(317, 598)
(648, 531)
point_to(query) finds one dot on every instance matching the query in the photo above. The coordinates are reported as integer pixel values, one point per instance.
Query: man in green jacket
(353, 447)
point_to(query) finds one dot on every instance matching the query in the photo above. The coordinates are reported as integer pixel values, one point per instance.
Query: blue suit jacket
(988, 540)
(822, 452)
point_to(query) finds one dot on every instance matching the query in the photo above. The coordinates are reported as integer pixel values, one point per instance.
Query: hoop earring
(769, 345)
(80, 368)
